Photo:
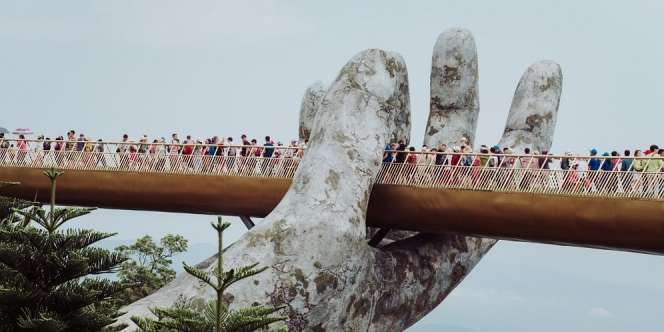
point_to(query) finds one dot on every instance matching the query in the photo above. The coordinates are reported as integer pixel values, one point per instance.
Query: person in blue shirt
(388, 155)
(212, 146)
(594, 163)
(607, 177)
(607, 165)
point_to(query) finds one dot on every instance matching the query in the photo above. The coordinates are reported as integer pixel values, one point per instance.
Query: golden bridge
(619, 210)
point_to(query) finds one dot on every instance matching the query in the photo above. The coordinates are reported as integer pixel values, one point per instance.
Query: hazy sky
(224, 68)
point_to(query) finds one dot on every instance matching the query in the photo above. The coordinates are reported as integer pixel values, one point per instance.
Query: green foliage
(45, 282)
(10, 204)
(192, 317)
(215, 315)
(7, 218)
(149, 265)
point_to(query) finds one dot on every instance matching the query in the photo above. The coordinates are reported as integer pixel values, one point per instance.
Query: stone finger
(454, 105)
(313, 95)
(532, 118)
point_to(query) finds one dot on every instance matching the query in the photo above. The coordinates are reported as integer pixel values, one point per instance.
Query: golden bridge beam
(618, 223)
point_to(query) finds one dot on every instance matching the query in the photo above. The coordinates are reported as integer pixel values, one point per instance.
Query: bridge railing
(609, 184)
(639, 177)
(150, 163)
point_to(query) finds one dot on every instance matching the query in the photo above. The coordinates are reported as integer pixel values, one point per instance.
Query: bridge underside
(617, 224)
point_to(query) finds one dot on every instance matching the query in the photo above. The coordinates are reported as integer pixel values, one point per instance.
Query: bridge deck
(545, 215)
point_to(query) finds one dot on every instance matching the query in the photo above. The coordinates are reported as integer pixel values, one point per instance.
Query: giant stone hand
(314, 241)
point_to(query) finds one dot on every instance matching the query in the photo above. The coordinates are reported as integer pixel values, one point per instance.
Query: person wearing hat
(605, 169)
(594, 162)
(456, 157)
(654, 164)
(653, 149)
(606, 163)
(594, 165)
(143, 144)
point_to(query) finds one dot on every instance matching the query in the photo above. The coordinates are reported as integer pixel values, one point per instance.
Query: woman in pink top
(22, 147)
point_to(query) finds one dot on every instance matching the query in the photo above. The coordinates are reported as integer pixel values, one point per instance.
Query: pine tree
(47, 285)
(9, 204)
(8, 217)
(215, 316)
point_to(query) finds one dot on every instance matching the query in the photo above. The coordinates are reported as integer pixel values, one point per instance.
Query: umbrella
(4, 131)
(24, 131)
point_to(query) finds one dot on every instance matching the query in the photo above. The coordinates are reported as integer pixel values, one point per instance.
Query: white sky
(228, 67)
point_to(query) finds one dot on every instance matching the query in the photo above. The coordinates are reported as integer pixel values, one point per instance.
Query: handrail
(510, 173)
(32, 146)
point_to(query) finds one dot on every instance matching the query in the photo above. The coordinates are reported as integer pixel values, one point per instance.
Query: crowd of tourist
(640, 171)
(188, 146)
(649, 160)
(209, 155)
(247, 156)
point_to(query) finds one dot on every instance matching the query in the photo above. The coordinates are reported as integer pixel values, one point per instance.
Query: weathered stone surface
(443, 261)
(534, 110)
(314, 240)
(313, 95)
(455, 105)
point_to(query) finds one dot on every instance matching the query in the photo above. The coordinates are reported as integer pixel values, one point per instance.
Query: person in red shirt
(412, 157)
(455, 162)
(187, 151)
(411, 163)
(188, 146)
(256, 151)
(571, 178)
